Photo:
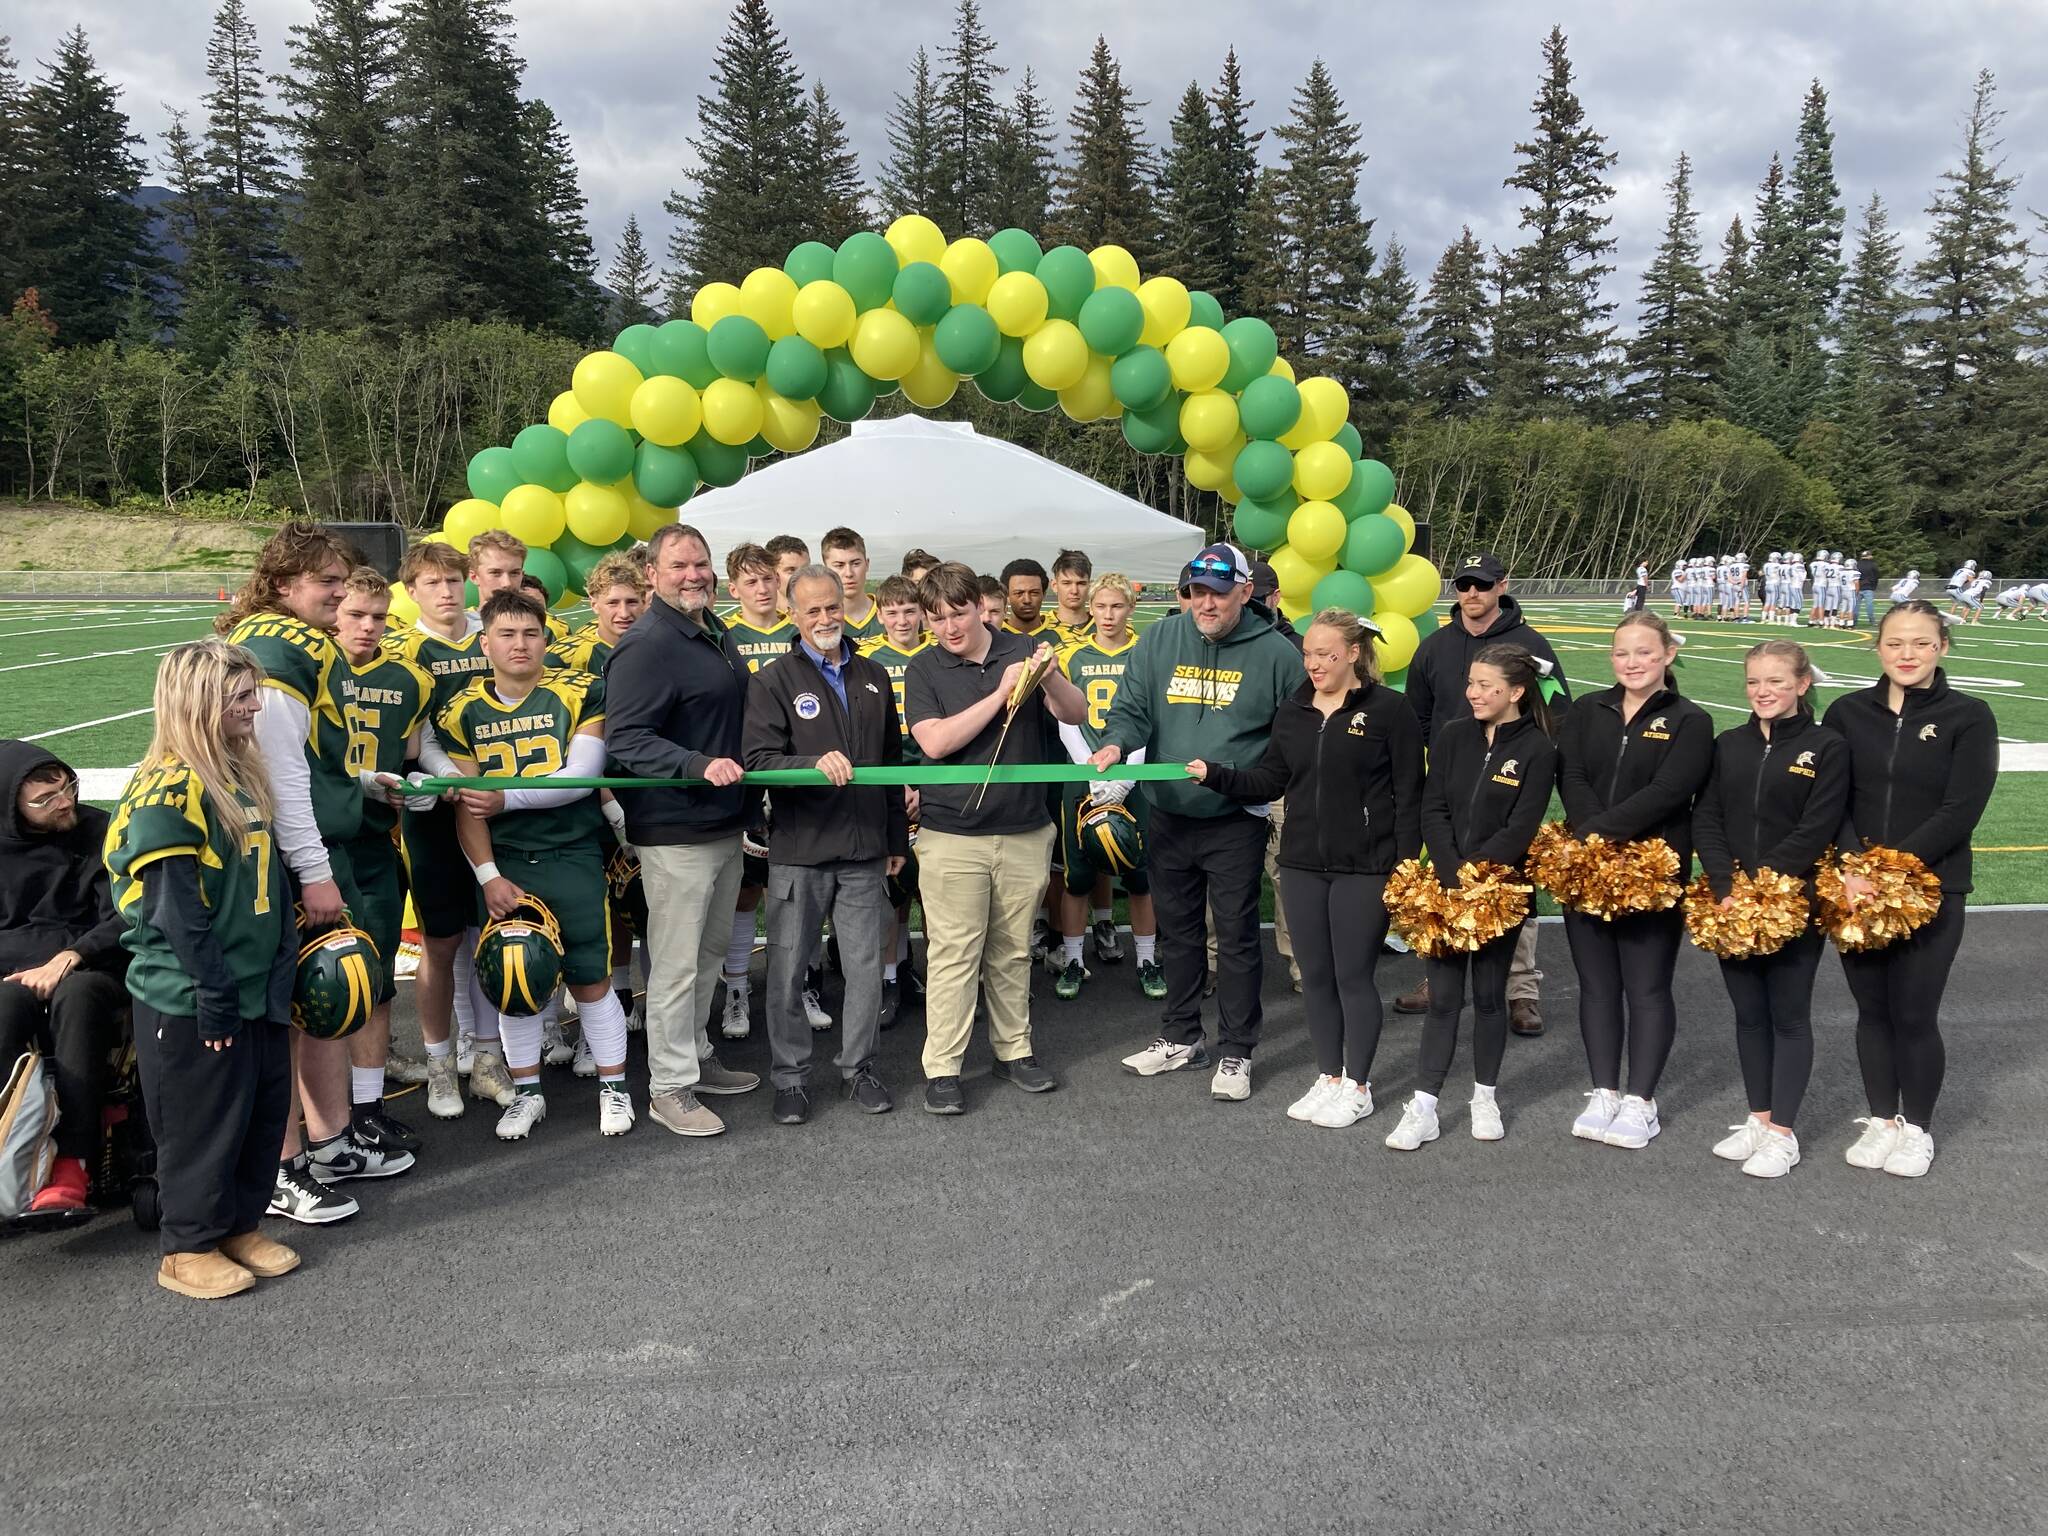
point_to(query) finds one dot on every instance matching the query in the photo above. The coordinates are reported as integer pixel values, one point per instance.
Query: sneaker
(1319, 1092)
(1164, 1055)
(1068, 987)
(1913, 1155)
(465, 1052)
(585, 1064)
(1776, 1157)
(1742, 1144)
(1418, 1126)
(490, 1078)
(679, 1111)
(614, 1109)
(942, 1096)
(1486, 1122)
(524, 1112)
(1152, 977)
(302, 1198)
(407, 1071)
(1026, 1073)
(555, 1049)
(64, 1198)
(792, 1106)
(868, 1090)
(1634, 1124)
(347, 1158)
(1349, 1104)
(735, 1025)
(636, 1016)
(1598, 1114)
(815, 1010)
(714, 1076)
(892, 999)
(1416, 1001)
(1109, 947)
(1879, 1139)
(444, 1088)
(1232, 1080)
(373, 1126)
(1045, 944)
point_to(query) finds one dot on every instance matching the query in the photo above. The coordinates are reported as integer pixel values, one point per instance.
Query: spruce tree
(1236, 173)
(1187, 187)
(1105, 189)
(246, 171)
(212, 309)
(1816, 215)
(831, 172)
(569, 301)
(14, 177)
(1675, 355)
(1772, 298)
(1023, 161)
(1382, 378)
(632, 280)
(1753, 392)
(1874, 309)
(1451, 354)
(968, 114)
(912, 179)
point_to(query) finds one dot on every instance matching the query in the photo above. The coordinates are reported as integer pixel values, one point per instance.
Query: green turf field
(78, 677)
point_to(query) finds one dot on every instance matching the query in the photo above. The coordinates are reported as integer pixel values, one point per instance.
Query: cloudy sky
(1442, 88)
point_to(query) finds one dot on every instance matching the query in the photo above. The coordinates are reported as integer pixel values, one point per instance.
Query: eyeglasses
(1474, 584)
(68, 790)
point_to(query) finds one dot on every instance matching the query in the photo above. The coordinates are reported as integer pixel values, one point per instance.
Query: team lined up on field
(1711, 587)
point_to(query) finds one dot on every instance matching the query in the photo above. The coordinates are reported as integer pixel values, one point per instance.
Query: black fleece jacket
(1436, 674)
(1771, 804)
(793, 719)
(1485, 800)
(1353, 781)
(54, 891)
(1923, 775)
(1634, 780)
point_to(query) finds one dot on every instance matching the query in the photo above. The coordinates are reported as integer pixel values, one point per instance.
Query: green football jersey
(452, 664)
(1097, 672)
(382, 702)
(300, 660)
(896, 662)
(758, 647)
(868, 628)
(584, 651)
(165, 813)
(529, 740)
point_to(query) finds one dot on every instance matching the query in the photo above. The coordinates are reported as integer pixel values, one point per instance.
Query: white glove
(1109, 792)
(749, 846)
(426, 800)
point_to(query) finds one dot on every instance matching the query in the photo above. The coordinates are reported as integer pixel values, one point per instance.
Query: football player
(903, 636)
(845, 554)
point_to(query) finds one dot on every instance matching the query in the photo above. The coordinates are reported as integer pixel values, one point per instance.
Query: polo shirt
(939, 684)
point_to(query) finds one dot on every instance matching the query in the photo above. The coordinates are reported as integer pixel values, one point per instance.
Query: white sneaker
(1634, 1124)
(490, 1078)
(1233, 1079)
(1351, 1103)
(1778, 1156)
(524, 1112)
(1879, 1139)
(465, 1052)
(1598, 1114)
(815, 1010)
(444, 1088)
(1742, 1145)
(404, 1069)
(636, 1021)
(585, 1064)
(1164, 1055)
(614, 1109)
(1913, 1155)
(1486, 1121)
(556, 1051)
(1418, 1125)
(735, 1026)
(1305, 1107)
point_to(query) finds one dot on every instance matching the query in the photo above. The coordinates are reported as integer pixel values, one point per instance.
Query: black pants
(81, 1023)
(1898, 1016)
(1624, 967)
(1489, 966)
(1203, 864)
(1338, 923)
(1773, 998)
(218, 1118)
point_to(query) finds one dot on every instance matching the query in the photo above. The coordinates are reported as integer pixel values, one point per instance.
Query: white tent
(908, 483)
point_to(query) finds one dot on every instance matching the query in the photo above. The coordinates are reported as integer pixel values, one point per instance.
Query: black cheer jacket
(1353, 781)
(1485, 800)
(1636, 780)
(1771, 803)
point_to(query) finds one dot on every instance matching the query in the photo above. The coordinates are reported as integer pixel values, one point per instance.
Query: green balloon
(1268, 408)
(1017, 250)
(601, 451)
(1035, 397)
(546, 567)
(469, 595)
(1069, 278)
(1378, 483)
(1140, 378)
(758, 447)
(796, 369)
(1348, 439)
(577, 558)
(493, 472)
(1004, 379)
(541, 455)
(848, 394)
(1263, 469)
(636, 345)
(1372, 545)
(865, 267)
(720, 464)
(1351, 500)
(1398, 681)
(1156, 429)
(967, 340)
(922, 293)
(810, 262)
(1255, 525)
(1253, 351)
(739, 348)
(1204, 310)
(1111, 321)
(1343, 589)
(1281, 505)
(665, 476)
(683, 351)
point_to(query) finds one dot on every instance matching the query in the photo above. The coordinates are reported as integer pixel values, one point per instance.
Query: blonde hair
(615, 570)
(1112, 581)
(1352, 628)
(369, 581)
(1643, 618)
(193, 685)
(499, 540)
(432, 554)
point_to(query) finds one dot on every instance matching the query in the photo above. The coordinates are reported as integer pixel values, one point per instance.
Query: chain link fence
(190, 585)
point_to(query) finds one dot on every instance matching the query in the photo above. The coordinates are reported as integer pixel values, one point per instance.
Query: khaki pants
(1277, 815)
(979, 895)
(691, 888)
(1523, 976)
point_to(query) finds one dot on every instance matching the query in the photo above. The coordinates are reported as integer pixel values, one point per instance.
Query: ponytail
(1519, 668)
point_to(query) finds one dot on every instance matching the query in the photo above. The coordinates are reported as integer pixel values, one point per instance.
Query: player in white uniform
(1958, 579)
(1823, 587)
(1742, 585)
(1905, 586)
(1678, 589)
(2011, 603)
(1848, 583)
(1972, 597)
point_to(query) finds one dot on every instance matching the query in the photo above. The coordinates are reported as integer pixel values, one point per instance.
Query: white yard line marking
(73, 629)
(86, 725)
(133, 650)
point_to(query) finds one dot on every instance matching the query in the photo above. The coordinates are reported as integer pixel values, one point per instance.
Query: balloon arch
(753, 370)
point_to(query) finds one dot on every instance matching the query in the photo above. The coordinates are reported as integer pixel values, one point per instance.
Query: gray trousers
(855, 895)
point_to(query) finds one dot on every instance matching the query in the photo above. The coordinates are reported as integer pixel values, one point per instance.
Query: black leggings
(1773, 998)
(86, 1014)
(1898, 1016)
(1626, 960)
(1489, 1012)
(1338, 923)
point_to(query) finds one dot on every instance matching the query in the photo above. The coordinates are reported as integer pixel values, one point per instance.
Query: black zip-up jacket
(1353, 781)
(675, 695)
(1637, 780)
(1771, 804)
(1436, 674)
(1922, 776)
(793, 719)
(54, 892)
(1485, 800)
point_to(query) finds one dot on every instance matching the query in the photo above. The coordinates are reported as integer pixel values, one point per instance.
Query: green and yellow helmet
(622, 878)
(336, 985)
(519, 959)
(1111, 836)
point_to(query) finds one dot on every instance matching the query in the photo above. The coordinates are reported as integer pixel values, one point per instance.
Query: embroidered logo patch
(806, 706)
(1927, 733)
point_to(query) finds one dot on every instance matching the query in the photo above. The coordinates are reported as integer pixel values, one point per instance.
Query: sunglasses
(1213, 567)
(1474, 584)
(68, 790)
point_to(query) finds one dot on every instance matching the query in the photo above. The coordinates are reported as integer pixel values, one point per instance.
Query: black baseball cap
(1482, 567)
(1265, 580)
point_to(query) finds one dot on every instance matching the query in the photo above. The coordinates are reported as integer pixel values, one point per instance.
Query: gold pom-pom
(1490, 899)
(1908, 894)
(1415, 905)
(1765, 912)
(1602, 878)
(1557, 862)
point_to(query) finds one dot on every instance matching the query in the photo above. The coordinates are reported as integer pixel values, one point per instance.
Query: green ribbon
(1004, 773)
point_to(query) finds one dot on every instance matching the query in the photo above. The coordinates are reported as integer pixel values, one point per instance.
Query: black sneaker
(1109, 948)
(912, 979)
(868, 1091)
(347, 1158)
(302, 1198)
(942, 1096)
(792, 1106)
(892, 999)
(1027, 1074)
(373, 1126)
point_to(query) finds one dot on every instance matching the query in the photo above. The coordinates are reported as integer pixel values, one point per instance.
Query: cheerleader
(1630, 760)
(1773, 802)
(1923, 758)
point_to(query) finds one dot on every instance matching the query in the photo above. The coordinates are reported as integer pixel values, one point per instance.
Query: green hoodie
(1185, 696)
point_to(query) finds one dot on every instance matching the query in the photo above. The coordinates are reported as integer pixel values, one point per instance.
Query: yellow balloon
(1056, 355)
(791, 425)
(1114, 267)
(1295, 609)
(404, 611)
(1411, 586)
(1208, 419)
(1017, 302)
(468, 518)
(1208, 469)
(1198, 358)
(534, 515)
(931, 383)
(666, 412)
(713, 302)
(732, 411)
(564, 414)
(643, 518)
(1298, 574)
(885, 344)
(823, 314)
(971, 267)
(1398, 639)
(596, 514)
(1166, 309)
(766, 298)
(1091, 397)
(1321, 471)
(1324, 408)
(604, 383)
(1230, 493)
(1400, 515)
(916, 238)
(1316, 529)
(1284, 368)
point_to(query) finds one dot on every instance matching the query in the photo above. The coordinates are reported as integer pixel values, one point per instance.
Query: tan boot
(261, 1256)
(204, 1276)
